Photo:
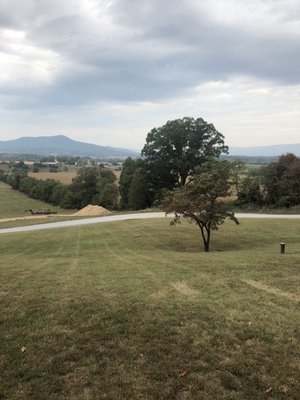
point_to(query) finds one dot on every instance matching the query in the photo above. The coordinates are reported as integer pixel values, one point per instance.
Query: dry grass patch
(184, 289)
(62, 176)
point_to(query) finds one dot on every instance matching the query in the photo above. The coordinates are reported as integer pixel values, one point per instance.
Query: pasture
(135, 310)
(13, 203)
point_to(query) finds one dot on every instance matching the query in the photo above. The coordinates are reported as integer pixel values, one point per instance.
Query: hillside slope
(13, 203)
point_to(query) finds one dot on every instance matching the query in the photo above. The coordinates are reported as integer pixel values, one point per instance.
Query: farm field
(62, 176)
(136, 310)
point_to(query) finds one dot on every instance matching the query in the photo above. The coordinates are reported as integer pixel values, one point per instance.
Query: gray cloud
(138, 51)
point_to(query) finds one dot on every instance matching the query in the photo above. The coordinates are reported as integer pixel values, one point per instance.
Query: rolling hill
(61, 145)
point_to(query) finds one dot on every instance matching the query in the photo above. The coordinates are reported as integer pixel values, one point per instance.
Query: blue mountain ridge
(62, 145)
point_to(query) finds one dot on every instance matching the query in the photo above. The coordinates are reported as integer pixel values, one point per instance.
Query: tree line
(92, 185)
(274, 185)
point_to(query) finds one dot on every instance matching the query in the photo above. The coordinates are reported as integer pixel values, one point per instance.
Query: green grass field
(136, 310)
(13, 203)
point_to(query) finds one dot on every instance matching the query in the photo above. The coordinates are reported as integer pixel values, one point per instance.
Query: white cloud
(24, 65)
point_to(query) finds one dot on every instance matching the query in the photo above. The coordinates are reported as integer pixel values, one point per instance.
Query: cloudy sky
(108, 71)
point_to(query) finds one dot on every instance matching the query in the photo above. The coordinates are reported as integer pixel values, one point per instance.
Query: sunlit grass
(136, 310)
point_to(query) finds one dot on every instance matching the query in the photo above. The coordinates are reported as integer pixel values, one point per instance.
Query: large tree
(203, 200)
(181, 145)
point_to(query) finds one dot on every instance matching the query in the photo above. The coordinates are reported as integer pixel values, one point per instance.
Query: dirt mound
(92, 210)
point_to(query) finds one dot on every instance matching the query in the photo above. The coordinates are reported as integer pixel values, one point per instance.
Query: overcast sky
(108, 71)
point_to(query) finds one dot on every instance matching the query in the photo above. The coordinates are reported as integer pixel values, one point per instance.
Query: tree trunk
(183, 177)
(205, 237)
(182, 180)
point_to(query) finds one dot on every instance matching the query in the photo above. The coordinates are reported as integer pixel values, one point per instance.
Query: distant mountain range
(267, 151)
(62, 145)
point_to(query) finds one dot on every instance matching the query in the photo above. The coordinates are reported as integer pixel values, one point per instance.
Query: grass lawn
(136, 310)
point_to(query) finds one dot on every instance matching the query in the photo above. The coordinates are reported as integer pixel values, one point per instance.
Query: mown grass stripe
(271, 290)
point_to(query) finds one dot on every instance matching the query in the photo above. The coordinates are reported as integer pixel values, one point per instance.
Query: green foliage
(108, 195)
(108, 190)
(27, 185)
(138, 195)
(84, 187)
(15, 178)
(202, 201)
(250, 191)
(125, 180)
(282, 181)
(142, 183)
(43, 189)
(181, 145)
(107, 176)
(59, 195)
(159, 179)
(130, 166)
(93, 185)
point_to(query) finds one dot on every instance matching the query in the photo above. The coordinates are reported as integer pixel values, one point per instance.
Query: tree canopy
(202, 201)
(94, 185)
(181, 145)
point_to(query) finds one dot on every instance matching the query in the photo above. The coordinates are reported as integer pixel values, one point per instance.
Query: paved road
(125, 217)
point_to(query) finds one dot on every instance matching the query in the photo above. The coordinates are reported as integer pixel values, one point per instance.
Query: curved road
(126, 217)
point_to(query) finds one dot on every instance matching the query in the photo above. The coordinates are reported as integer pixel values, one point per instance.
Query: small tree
(202, 201)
